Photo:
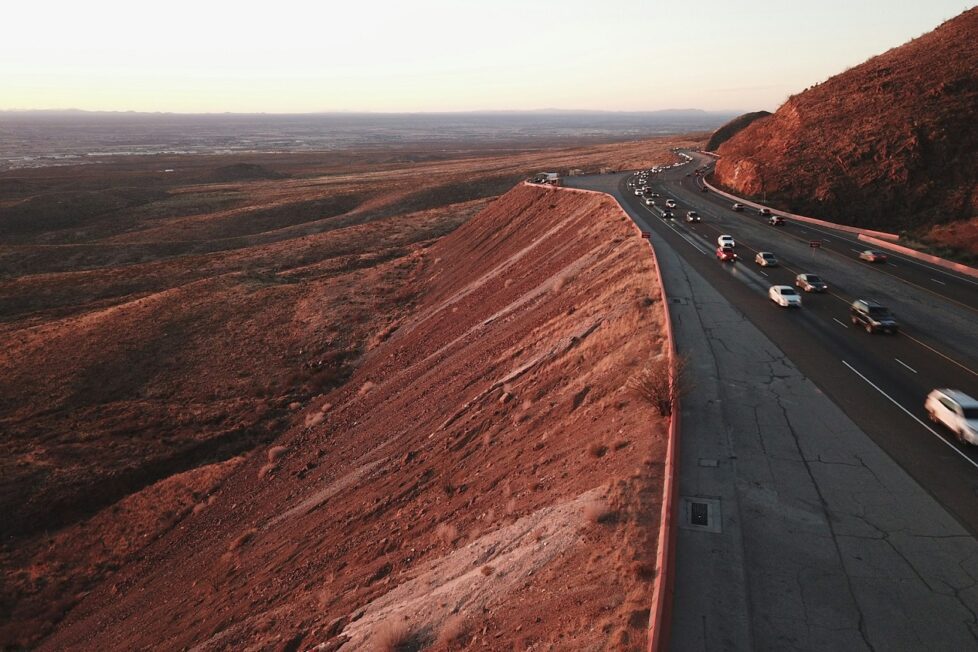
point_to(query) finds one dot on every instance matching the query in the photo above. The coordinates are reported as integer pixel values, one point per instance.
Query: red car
(872, 256)
(726, 254)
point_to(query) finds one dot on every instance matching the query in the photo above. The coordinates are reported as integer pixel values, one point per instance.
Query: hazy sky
(439, 55)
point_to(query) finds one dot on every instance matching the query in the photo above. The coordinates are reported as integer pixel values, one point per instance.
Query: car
(785, 296)
(726, 254)
(957, 411)
(738, 207)
(872, 256)
(655, 194)
(726, 241)
(704, 189)
(776, 220)
(638, 191)
(766, 259)
(670, 203)
(693, 216)
(764, 211)
(668, 215)
(649, 201)
(811, 283)
(873, 316)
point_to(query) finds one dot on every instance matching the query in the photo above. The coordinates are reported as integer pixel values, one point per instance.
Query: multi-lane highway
(880, 381)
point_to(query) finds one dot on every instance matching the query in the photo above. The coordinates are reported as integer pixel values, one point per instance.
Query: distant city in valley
(45, 138)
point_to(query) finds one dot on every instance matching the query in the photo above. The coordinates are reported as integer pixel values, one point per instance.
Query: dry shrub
(275, 453)
(597, 449)
(598, 511)
(446, 533)
(394, 636)
(242, 540)
(487, 570)
(454, 631)
(266, 471)
(660, 384)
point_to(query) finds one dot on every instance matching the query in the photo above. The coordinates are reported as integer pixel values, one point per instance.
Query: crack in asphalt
(861, 625)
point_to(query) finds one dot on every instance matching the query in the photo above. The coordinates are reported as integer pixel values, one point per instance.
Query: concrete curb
(660, 611)
(878, 238)
(801, 218)
(919, 255)
(660, 614)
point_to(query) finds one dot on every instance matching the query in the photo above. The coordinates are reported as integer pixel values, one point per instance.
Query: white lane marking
(905, 365)
(763, 273)
(839, 323)
(858, 251)
(946, 357)
(912, 416)
(936, 281)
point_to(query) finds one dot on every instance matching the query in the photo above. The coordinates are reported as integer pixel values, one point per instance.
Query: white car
(957, 411)
(726, 241)
(785, 296)
(649, 201)
(693, 216)
(670, 203)
(766, 259)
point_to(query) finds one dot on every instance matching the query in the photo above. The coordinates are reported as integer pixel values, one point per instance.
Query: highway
(879, 380)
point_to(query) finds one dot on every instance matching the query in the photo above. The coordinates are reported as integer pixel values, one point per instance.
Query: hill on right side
(890, 144)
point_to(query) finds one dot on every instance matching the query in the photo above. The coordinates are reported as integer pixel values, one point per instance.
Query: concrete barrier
(801, 218)
(660, 613)
(919, 255)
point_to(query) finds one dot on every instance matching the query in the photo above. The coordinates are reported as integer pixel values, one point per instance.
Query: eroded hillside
(173, 332)
(484, 479)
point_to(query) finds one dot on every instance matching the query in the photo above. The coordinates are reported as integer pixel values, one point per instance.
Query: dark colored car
(872, 316)
(811, 283)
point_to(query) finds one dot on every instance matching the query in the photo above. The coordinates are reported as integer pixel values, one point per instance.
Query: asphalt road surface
(879, 380)
(819, 508)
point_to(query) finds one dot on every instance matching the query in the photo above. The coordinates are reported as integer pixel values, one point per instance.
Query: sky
(292, 56)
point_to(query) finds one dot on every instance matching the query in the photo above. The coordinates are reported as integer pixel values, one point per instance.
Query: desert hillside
(163, 329)
(485, 478)
(732, 128)
(889, 144)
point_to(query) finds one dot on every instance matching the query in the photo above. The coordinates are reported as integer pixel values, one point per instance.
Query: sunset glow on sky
(439, 55)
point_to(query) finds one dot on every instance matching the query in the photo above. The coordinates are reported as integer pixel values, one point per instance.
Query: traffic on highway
(878, 332)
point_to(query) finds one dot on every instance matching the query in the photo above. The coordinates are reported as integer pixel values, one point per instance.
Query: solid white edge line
(839, 323)
(913, 416)
(905, 365)
(936, 281)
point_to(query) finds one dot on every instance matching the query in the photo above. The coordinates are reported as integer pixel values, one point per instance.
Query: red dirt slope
(890, 144)
(484, 480)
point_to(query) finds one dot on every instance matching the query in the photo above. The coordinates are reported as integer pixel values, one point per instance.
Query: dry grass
(394, 636)
(661, 384)
(453, 632)
(598, 511)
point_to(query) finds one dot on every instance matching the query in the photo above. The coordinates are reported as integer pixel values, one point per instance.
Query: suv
(873, 316)
(956, 410)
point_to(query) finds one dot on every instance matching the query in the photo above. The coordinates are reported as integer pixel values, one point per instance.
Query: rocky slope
(161, 329)
(890, 144)
(485, 479)
(732, 128)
